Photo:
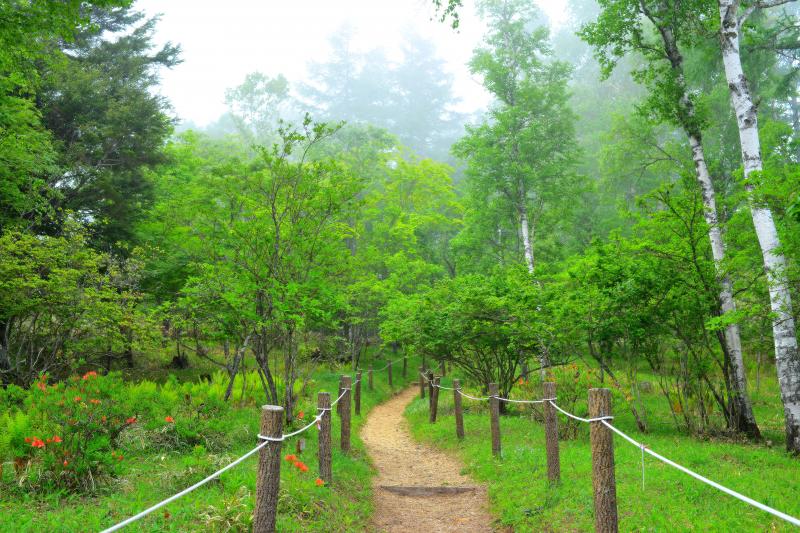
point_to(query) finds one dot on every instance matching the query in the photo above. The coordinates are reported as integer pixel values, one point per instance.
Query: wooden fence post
(269, 471)
(345, 403)
(324, 455)
(369, 374)
(338, 394)
(429, 376)
(494, 411)
(603, 479)
(357, 395)
(551, 433)
(459, 412)
(444, 368)
(405, 365)
(389, 370)
(434, 400)
(422, 382)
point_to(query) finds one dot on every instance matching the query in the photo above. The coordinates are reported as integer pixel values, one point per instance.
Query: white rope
(289, 435)
(390, 363)
(598, 419)
(472, 397)
(183, 492)
(523, 401)
(726, 490)
(334, 402)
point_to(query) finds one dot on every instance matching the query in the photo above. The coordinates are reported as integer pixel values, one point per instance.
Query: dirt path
(418, 488)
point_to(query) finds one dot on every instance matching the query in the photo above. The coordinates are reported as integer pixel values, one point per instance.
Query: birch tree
(656, 29)
(787, 362)
(521, 158)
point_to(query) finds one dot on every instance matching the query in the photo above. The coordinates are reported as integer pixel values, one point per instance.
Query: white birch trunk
(742, 409)
(525, 232)
(787, 362)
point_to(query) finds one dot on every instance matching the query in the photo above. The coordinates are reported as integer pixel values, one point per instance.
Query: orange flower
(303, 468)
(90, 374)
(319, 482)
(94, 401)
(42, 385)
(77, 399)
(37, 442)
(300, 415)
(66, 462)
(131, 420)
(291, 457)
(103, 419)
(56, 439)
(169, 419)
(28, 440)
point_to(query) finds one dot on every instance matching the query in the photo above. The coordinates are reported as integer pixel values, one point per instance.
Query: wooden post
(338, 394)
(269, 471)
(443, 365)
(494, 411)
(357, 395)
(603, 480)
(434, 400)
(324, 408)
(551, 433)
(429, 375)
(405, 365)
(345, 403)
(389, 370)
(422, 382)
(369, 374)
(459, 412)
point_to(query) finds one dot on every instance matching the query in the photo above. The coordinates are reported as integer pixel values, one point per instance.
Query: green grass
(670, 500)
(225, 504)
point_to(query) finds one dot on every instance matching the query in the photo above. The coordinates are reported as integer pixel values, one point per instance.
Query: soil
(418, 488)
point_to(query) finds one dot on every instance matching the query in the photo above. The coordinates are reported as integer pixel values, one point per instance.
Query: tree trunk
(744, 419)
(787, 362)
(524, 230)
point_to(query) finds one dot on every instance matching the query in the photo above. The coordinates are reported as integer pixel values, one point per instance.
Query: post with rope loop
(369, 376)
(458, 409)
(434, 400)
(269, 470)
(494, 412)
(603, 479)
(389, 371)
(357, 395)
(338, 394)
(345, 414)
(429, 378)
(422, 382)
(551, 433)
(324, 452)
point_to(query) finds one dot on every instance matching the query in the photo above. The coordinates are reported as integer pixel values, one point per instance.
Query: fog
(221, 45)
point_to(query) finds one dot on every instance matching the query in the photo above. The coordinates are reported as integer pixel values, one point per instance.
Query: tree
(787, 359)
(622, 27)
(106, 123)
(522, 157)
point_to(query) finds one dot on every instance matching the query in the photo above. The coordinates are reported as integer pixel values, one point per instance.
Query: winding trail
(418, 488)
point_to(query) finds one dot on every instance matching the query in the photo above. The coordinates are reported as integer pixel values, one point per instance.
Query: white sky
(224, 41)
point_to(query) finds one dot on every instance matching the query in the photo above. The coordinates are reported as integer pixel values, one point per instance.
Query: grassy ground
(669, 501)
(225, 504)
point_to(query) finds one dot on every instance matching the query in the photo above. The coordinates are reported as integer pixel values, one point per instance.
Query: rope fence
(601, 445)
(271, 437)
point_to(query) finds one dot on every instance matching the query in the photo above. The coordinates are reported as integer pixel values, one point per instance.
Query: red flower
(49, 441)
(300, 415)
(77, 399)
(37, 442)
(291, 457)
(90, 374)
(28, 440)
(131, 420)
(119, 457)
(66, 462)
(303, 468)
(319, 482)
(169, 419)
(56, 439)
